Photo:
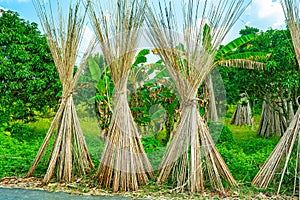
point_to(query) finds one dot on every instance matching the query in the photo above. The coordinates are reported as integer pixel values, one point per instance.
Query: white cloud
(1, 8)
(268, 10)
(87, 38)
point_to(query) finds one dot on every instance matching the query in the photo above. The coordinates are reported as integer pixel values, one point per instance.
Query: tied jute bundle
(69, 155)
(291, 10)
(124, 164)
(284, 148)
(191, 156)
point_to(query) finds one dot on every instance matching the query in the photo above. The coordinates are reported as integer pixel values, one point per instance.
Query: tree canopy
(278, 80)
(29, 80)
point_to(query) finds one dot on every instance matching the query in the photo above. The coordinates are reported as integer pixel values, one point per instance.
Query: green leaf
(206, 37)
(95, 70)
(231, 46)
(96, 99)
(144, 52)
(141, 57)
(143, 119)
(101, 87)
(158, 114)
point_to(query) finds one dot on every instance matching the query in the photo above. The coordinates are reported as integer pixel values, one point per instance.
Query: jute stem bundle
(191, 155)
(291, 10)
(70, 154)
(272, 121)
(242, 114)
(282, 150)
(286, 144)
(124, 164)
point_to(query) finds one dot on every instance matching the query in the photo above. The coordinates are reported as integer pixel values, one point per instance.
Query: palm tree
(228, 55)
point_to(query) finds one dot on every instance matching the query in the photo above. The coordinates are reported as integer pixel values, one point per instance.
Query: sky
(261, 14)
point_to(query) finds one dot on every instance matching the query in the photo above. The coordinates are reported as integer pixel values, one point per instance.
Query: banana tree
(150, 97)
(230, 56)
(102, 82)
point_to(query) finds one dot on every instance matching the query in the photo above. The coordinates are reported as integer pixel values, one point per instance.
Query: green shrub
(239, 164)
(21, 132)
(220, 133)
(150, 144)
(245, 158)
(254, 145)
(154, 151)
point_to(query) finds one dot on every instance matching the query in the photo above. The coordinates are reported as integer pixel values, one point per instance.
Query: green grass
(244, 154)
(247, 153)
(91, 132)
(16, 156)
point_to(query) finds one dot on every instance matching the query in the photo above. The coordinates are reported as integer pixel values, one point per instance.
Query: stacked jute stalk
(272, 121)
(291, 10)
(191, 156)
(242, 114)
(69, 156)
(124, 164)
(283, 150)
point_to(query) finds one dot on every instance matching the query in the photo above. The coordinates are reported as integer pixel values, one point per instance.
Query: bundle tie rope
(65, 97)
(191, 102)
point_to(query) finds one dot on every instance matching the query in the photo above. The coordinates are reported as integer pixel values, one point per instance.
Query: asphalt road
(23, 194)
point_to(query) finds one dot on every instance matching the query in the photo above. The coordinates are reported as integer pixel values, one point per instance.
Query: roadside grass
(17, 156)
(244, 155)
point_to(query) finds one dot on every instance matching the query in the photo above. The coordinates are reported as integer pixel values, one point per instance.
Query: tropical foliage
(151, 115)
(29, 81)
